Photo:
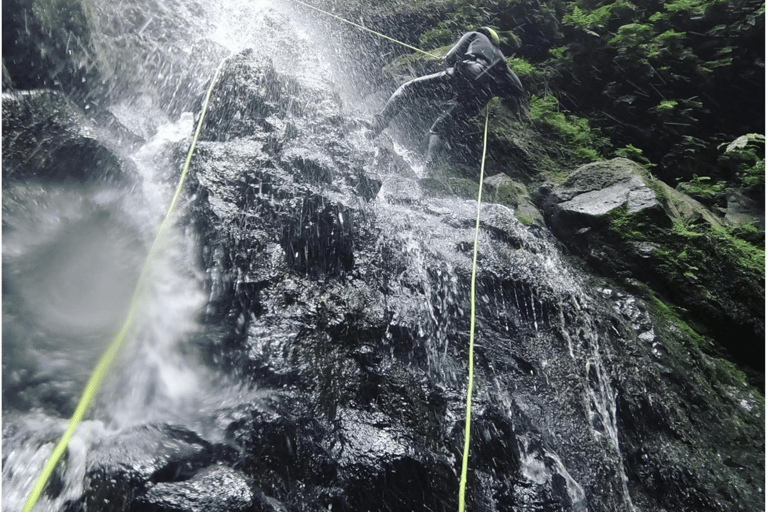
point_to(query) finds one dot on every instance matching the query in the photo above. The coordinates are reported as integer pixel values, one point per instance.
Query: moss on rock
(673, 244)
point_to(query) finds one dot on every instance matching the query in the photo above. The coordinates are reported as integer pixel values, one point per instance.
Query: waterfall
(301, 342)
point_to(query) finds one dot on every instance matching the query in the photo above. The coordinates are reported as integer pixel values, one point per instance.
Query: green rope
(361, 27)
(104, 364)
(470, 382)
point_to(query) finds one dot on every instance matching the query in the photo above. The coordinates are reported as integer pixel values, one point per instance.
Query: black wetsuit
(477, 72)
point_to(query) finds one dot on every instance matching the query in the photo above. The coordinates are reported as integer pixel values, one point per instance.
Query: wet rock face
(100, 54)
(627, 224)
(214, 489)
(339, 303)
(69, 251)
(46, 136)
(347, 298)
(55, 36)
(123, 466)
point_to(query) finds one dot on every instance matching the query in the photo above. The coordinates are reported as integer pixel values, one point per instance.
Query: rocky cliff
(334, 327)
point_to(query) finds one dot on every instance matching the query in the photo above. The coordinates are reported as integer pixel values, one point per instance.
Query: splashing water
(99, 236)
(71, 256)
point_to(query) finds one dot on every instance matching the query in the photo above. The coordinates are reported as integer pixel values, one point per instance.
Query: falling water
(71, 256)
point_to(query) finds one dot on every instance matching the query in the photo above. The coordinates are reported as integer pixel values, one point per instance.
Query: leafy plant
(631, 152)
(702, 188)
(574, 129)
(746, 154)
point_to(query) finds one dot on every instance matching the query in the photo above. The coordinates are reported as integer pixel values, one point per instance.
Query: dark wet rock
(46, 136)
(626, 223)
(506, 191)
(101, 55)
(121, 467)
(354, 312)
(338, 288)
(214, 489)
(56, 36)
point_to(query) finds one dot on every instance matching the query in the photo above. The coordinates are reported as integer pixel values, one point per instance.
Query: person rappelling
(476, 72)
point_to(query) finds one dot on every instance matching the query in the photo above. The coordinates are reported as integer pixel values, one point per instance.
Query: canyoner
(477, 71)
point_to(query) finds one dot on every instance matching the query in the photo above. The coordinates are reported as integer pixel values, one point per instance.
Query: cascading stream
(73, 277)
(302, 340)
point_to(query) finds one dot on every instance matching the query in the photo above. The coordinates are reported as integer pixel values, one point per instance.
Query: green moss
(704, 267)
(525, 220)
(626, 226)
(573, 129)
(744, 254)
(667, 315)
(438, 36)
(702, 189)
(507, 194)
(466, 188)
(729, 373)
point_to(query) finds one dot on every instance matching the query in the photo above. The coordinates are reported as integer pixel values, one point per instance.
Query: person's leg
(450, 129)
(435, 152)
(436, 87)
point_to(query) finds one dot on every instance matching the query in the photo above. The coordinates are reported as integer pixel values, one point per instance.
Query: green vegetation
(573, 129)
(685, 262)
(666, 313)
(666, 84)
(525, 220)
(635, 154)
(677, 87)
(702, 189)
(746, 157)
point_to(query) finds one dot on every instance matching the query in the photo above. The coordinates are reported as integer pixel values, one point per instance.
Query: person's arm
(459, 49)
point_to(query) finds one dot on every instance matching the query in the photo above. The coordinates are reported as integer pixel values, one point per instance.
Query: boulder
(743, 210)
(629, 225)
(121, 467)
(214, 489)
(506, 191)
(46, 136)
(621, 185)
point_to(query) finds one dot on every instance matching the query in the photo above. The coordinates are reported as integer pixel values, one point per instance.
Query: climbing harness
(471, 364)
(109, 356)
(361, 27)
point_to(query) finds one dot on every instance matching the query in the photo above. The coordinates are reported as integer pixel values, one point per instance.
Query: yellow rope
(470, 380)
(100, 372)
(106, 360)
(470, 384)
(361, 27)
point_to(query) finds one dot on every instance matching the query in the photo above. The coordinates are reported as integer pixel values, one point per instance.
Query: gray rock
(48, 137)
(743, 210)
(506, 191)
(602, 187)
(629, 225)
(214, 489)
